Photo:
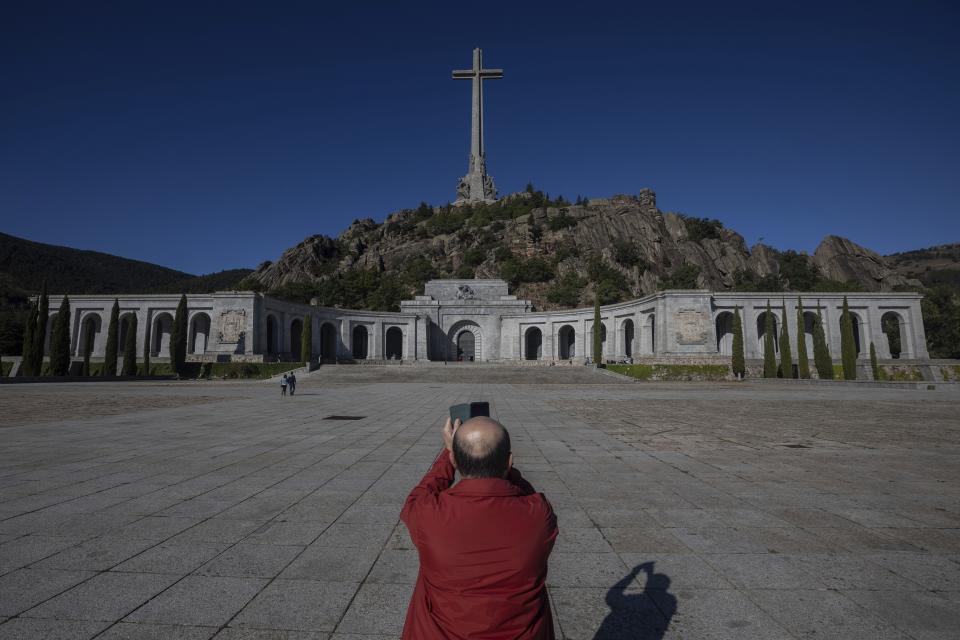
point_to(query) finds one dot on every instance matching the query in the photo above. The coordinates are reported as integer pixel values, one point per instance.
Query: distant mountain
(25, 264)
(933, 266)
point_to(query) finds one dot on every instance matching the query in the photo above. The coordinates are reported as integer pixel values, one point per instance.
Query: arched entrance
(465, 346)
(272, 336)
(809, 323)
(761, 332)
(394, 344)
(360, 340)
(296, 338)
(328, 342)
(160, 335)
(533, 344)
(628, 338)
(894, 329)
(89, 335)
(199, 333)
(124, 324)
(725, 333)
(566, 342)
(651, 331)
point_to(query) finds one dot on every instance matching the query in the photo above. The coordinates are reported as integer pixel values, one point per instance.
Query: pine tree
(821, 353)
(306, 340)
(40, 331)
(146, 349)
(873, 362)
(87, 350)
(803, 362)
(178, 338)
(60, 341)
(597, 340)
(786, 357)
(110, 356)
(26, 361)
(739, 361)
(769, 347)
(848, 348)
(130, 347)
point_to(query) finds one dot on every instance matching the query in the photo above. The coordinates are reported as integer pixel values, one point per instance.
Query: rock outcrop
(569, 237)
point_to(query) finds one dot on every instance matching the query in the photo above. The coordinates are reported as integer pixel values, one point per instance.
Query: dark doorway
(360, 343)
(296, 335)
(394, 346)
(271, 335)
(328, 342)
(534, 346)
(465, 346)
(628, 338)
(566, 340)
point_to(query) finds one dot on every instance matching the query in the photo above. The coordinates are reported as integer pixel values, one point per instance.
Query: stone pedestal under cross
(477, 186)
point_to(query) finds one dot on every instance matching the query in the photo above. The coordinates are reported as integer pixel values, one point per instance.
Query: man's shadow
(638, 616)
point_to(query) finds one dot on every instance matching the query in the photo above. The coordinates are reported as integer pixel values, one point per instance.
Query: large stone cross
(477, 186)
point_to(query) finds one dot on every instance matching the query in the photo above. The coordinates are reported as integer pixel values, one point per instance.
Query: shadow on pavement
(638, 616)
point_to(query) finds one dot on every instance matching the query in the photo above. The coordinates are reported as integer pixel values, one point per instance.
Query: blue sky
(205, 136)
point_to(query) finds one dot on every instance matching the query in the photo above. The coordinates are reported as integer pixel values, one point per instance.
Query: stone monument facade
(477, 185)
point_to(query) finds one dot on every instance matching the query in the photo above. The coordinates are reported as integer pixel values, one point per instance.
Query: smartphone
(469, 410)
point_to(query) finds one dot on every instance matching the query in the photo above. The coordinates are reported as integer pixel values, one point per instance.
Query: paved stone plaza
(209, 509)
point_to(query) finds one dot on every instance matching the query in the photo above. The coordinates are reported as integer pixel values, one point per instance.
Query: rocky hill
(557, 253)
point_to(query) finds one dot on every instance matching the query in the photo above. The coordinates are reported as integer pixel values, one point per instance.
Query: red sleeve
(437, 480)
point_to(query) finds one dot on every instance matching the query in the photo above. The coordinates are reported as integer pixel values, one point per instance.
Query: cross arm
(491, 74)
(463, 74)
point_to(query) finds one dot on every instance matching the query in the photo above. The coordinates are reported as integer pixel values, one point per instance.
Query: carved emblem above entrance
(464, 292)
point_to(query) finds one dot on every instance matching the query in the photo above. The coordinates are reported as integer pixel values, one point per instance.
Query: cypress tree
(60, 341)
(146, 349)
(26, 362)
(803, 362)
(739, 364)
(786, 357)
(110, 357)
(821, 353)
(87, 350)
(597, 342)
(178, 338)
(130, 347)
(769, 348)
(848, 349)
(40, 331)
(306, 340)
(873, 362)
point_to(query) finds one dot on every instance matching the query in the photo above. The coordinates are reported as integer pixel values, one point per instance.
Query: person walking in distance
(292, 382)
(283, 385)
(483, 544)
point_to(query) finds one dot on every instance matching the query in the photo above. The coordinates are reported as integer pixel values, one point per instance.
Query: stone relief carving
(464, 292)
(692, 326)
(233, 323)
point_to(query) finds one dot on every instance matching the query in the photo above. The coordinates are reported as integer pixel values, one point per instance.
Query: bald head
(481, 448)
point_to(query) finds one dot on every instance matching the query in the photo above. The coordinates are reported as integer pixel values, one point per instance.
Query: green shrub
(702, 228)
(566, 290)
(675, 372)
(683, 277)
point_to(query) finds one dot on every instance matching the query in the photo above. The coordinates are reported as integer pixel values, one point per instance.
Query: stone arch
(895, 330)
(273, 335)
(762, 328)
(91, 331)
(459, 342)
(857, 330)
(567, 342)
(724, 323)
(199, 333)
(393, 343)
(328, 342)
(652, 331)
(160, 334)
(533, 344)
(809, 324)
(360, 342)
(626, 329)
(123, 326)
(296, 338)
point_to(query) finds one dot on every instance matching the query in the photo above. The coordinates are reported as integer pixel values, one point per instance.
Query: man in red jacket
(483, 543)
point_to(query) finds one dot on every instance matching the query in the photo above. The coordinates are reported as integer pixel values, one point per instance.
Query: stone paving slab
(202, 510)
